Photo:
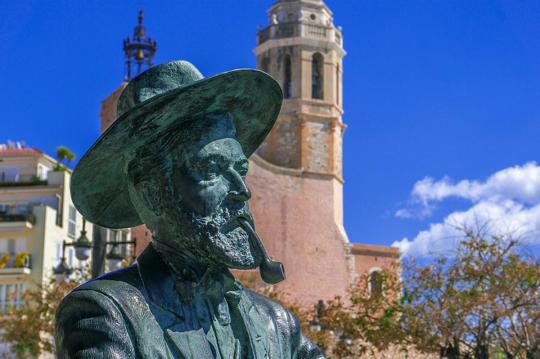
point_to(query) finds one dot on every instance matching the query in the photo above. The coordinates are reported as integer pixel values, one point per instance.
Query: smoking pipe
(272, 272)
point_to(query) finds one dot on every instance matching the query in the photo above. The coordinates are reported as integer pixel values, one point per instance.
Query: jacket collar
(158, 280)
(165, 288)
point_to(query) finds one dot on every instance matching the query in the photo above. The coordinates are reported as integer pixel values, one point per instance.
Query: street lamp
(346, 339)
(83, 248)
(114, 259)
(315, 324)
(82, 245)
(62, 271)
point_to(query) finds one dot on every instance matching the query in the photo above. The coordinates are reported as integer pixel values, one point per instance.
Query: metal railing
(20, 180)
(293, 29)
(10, 303)
(316, 31)
(26, 217)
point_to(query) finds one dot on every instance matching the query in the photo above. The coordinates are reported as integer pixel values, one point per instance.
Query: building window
(11, 296)
(42, 172)
(10, 174)
(72, 222)
(317, 77)
(287, 83)
(59, 211)
(376, 280)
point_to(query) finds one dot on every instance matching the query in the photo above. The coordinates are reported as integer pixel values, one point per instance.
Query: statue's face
(209, 194)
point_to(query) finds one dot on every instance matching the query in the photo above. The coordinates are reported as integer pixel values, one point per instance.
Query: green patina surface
(176, 160)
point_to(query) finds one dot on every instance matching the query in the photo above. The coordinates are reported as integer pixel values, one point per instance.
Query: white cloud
(508, 200)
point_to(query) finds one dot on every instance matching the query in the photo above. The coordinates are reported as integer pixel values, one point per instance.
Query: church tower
(302, 49)
(296, 175)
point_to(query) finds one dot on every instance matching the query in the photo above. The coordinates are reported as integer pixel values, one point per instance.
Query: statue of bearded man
(176, 160)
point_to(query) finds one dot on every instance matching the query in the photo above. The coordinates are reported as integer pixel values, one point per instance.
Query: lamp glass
(82, 253)
(114, 263)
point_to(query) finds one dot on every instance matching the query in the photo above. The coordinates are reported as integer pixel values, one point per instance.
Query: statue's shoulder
(122, 285)
(281, 315)
(295, 344)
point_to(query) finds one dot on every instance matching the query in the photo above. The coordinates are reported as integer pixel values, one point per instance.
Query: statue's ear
(150, 196)
(144, 186)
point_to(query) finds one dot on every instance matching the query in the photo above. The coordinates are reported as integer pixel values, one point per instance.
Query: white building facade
(36, 217)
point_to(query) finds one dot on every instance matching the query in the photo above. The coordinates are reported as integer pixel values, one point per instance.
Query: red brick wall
(296, 219)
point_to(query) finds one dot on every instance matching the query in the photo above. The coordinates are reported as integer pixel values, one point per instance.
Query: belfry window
(317, 78)
(287, 84)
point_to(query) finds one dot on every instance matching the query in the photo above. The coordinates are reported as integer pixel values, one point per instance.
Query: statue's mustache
(223, 220)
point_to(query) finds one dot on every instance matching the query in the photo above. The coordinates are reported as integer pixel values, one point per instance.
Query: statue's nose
(238, 190)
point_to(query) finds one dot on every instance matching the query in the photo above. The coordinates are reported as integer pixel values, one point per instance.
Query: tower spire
(139, 50)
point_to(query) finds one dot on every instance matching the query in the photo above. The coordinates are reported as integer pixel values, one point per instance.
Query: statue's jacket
(137, 312)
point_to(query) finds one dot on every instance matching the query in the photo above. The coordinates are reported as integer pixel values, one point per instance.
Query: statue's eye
(242, 168)
(207, 170)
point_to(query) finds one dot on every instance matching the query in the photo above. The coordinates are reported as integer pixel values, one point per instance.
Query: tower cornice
(306, 4)
(317, 43)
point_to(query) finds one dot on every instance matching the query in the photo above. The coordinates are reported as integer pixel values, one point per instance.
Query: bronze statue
(176, 160)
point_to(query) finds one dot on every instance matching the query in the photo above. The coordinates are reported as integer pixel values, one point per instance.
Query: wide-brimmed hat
(156, 101)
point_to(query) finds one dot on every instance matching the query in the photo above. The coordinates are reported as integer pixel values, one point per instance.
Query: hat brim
(99, 182)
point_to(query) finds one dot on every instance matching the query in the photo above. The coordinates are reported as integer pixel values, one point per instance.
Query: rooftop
(374, 250)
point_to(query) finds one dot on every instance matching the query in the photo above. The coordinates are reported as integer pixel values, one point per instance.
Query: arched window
(376, 280)
(317, 78)
(287, 84)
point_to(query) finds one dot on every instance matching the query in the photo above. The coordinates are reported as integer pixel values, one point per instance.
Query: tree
(367, 322)
(63, 155)
(29, 329)
(482, 302)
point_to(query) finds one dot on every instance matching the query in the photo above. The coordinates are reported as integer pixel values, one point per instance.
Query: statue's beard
(215, 239)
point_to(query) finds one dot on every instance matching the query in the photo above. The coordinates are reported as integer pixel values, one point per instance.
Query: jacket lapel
(260, 328)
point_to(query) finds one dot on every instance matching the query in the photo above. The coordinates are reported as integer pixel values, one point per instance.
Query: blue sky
(448, 90)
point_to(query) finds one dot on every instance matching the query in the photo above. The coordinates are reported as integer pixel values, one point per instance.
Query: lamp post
(315, 325)
(83, 248)
(82, 245)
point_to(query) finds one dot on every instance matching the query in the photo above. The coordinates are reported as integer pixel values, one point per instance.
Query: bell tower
(296, 175)
(302, 49)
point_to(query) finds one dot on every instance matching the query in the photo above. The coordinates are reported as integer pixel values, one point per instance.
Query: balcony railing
(19, 260)
(25, 217)
(316, 31)
(20, 180)
(294, 29)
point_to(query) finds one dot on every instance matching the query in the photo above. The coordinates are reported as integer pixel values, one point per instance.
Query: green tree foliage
(64, 156)
(481, 303)
(29, 329)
